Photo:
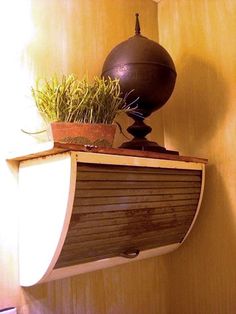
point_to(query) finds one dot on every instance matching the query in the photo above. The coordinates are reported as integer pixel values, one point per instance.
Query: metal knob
(130, 253)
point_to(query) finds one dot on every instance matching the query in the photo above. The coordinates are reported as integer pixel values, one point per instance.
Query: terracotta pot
(101, 135)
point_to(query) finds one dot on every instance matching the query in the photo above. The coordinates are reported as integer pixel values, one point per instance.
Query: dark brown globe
(144, 67)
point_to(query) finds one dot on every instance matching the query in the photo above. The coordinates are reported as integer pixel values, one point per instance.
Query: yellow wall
(200, 120)
(68, 36)
(76, 36)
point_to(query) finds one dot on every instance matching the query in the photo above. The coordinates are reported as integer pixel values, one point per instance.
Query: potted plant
(81, 112)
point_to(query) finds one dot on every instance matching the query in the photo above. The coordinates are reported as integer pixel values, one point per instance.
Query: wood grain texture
(52, 148)
(106, 226)
(200, 119)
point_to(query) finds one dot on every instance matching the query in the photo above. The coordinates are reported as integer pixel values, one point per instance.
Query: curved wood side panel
(199, 202)
(46, 194)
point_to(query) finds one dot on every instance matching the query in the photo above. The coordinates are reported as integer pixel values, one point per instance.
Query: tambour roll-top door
(120, 209)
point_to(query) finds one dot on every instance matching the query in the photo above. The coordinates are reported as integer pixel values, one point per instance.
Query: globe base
(146, 145)
(139, 130)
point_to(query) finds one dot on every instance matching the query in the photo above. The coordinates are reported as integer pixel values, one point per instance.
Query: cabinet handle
(130, 253)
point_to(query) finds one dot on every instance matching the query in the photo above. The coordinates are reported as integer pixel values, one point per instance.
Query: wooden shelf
(84, 208)
(52, 148)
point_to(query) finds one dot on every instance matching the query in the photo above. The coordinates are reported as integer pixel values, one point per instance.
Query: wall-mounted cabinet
(86, 210)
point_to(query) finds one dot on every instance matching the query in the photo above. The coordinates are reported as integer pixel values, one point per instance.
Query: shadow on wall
(201, 274)
(197, 107)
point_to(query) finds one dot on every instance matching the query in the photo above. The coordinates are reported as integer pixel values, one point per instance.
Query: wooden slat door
(120, 209)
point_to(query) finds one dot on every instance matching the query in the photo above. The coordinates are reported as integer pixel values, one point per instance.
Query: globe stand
(145, 68)
(139, 130)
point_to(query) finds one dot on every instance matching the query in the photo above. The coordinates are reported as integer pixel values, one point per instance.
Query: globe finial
(137, 25)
